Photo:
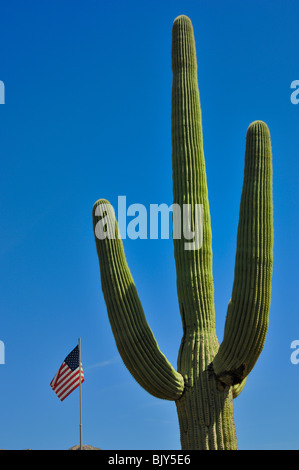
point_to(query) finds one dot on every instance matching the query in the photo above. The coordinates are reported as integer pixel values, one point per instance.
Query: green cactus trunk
(208, 377)
(205, 414)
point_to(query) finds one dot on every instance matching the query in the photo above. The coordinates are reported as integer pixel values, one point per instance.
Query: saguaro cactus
(208, 376)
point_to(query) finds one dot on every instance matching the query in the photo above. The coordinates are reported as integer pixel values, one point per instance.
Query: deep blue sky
(87, 115)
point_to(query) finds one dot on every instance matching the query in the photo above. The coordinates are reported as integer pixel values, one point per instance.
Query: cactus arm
(194, 267)
(237, 389)
(134, 338)
(248, 310)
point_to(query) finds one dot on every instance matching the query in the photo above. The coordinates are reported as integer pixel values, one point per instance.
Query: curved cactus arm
(134, 338)
(237, 389)
(248, 310)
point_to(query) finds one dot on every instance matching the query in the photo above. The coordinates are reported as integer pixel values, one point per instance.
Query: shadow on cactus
(208, 376)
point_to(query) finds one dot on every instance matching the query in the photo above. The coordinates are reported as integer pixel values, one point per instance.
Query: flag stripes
(68, 376)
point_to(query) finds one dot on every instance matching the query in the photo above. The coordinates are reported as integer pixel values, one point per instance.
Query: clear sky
(87, 115)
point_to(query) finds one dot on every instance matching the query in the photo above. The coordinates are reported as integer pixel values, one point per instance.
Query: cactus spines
(248, 310)
(134, 338)
(208, 376)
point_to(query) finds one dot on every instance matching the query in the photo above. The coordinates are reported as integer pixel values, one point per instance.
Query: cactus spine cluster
(208, 376)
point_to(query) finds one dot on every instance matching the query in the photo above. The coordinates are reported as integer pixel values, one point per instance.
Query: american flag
(67, 378)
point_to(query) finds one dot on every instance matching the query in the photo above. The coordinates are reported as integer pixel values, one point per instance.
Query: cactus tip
(182, 20)
(98, 202)
(258, 126)
(182, 17)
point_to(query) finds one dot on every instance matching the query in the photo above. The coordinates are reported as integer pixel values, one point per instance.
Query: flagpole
(79, 345)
